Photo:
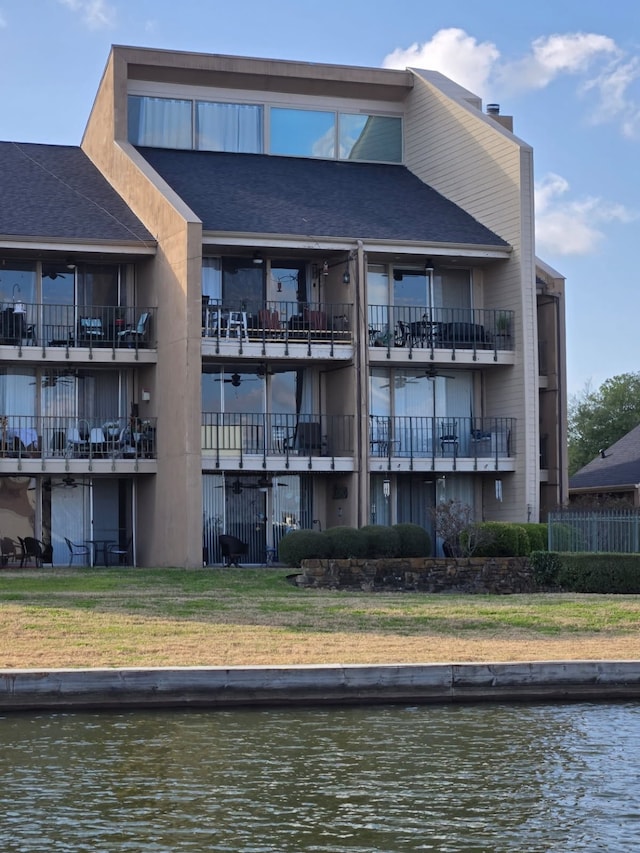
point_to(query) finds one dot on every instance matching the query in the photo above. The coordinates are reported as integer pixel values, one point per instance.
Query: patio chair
(135, 334)
(77, 550)
(232, 549)
(117, 554)
(31, 549)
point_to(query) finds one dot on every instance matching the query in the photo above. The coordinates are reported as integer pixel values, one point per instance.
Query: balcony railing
(416, 327)
(93, 326)
(237, 435)
(46, 437)
(441, 437)
(283, 322)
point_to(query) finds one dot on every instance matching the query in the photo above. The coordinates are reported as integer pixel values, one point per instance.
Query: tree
(597, 419)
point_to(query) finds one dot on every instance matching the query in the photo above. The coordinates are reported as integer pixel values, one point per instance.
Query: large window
(160, 122)
(229, 127)
(240, 128)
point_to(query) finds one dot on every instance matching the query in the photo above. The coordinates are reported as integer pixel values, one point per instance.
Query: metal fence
(616, 531)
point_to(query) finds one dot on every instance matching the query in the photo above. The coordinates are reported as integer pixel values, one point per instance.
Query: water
(430, 778)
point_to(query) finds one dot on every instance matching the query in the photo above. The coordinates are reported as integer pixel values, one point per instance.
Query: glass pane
(160, 122)
(452, 289)
(242, 286)
(303, 133)
(365, 137)
(229, 127)
(58, 285)
(410, 288)
(98, 286)
(17, 282)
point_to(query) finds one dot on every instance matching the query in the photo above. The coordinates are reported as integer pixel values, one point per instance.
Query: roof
(261, 194)
(54, 192)
(618, 466)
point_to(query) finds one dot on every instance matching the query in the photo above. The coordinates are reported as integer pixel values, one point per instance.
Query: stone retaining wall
(498, 575)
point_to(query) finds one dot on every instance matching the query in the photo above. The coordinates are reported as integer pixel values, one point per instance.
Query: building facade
(264, 295)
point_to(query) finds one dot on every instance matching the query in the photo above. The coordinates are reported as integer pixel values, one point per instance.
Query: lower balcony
(277, 441)
(54, 443)
(447, 443)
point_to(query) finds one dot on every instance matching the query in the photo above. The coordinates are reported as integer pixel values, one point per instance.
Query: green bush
(524, 545)
(538, 535)
(345, 542)
(497, 539)
(600, 573)
(414, 541)
(546, 567)
(299, 545)
(381, 541)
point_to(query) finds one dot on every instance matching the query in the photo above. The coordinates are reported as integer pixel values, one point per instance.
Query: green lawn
(82, 617)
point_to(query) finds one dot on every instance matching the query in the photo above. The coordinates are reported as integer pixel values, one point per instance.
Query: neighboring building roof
(54, 192)
(618, 466)
(259, 194)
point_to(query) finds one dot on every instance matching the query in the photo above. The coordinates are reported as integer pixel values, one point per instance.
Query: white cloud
(600, 66)
(453, 53)
(612, 86)
(551, 56)
(96, 14)
(572, 227)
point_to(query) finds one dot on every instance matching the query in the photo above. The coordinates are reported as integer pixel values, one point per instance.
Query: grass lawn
(226, 617)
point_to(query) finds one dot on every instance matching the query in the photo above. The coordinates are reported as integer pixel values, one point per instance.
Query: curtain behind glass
(229, 127)
(159, 122)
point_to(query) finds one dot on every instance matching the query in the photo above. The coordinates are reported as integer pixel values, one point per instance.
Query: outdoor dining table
(100, 548)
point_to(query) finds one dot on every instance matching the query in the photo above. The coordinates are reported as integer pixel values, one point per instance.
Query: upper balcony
(278, 330)
(99, 333)
(466, 335)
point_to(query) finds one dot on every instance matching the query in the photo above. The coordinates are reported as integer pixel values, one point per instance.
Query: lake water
(523, 778)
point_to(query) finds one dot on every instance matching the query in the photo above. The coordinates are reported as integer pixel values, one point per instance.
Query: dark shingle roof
(619, 467)
(258, 194)
(55, 192)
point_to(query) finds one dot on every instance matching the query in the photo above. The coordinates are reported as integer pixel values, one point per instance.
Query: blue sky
(568, 71)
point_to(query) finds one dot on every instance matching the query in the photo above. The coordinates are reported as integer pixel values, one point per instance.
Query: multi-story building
(264, 295)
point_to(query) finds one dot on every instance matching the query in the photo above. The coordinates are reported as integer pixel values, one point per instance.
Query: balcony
(38, 330)
(276, 441)
(469, 334)
(441, 443)
(278, 329)
(41, 443)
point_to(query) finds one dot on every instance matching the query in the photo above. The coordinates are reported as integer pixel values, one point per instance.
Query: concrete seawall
(220, 687)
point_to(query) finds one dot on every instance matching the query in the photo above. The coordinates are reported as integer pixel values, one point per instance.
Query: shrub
(413, 540)
(381, 541)
(345, 542)
(502, 539)
(299, 545)
(600, 573)
(546, 567)
(524, 545)
(538, 535)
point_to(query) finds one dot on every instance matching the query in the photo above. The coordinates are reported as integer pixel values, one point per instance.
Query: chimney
(493, 110)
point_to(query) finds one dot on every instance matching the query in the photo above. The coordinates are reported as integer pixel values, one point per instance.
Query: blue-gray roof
(54, 192)
(259, 194)
(619, 465)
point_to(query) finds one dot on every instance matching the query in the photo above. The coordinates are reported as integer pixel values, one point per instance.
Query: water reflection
(450, 778)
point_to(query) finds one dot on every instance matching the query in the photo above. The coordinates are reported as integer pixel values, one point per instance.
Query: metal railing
(447, 437)
(609, 531)
(418, 327)
(238, 435)
(50, 437)
(273, 321)
(92, 326)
